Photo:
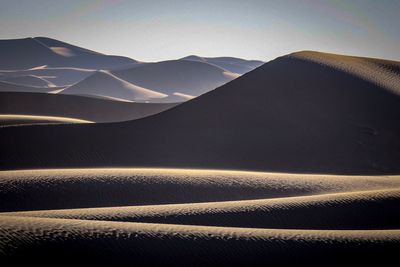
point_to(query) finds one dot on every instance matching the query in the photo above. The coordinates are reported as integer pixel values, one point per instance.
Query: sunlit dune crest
(384, 73)
(39, 67)
(184, 96)
(13, 119)
(231, 75)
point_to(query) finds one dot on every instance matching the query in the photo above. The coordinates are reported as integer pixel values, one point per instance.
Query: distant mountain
(45, 62)
(232, 64)
(307, 112)
(18, 54)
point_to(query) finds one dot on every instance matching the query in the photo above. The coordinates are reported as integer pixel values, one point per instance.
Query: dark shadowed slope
(32, 52)
(294, 114)
(177, 76)
(232, 64)
(85, 108)
(11, 87)
(29, 80)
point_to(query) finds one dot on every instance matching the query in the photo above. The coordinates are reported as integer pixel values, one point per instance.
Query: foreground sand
(197, 217)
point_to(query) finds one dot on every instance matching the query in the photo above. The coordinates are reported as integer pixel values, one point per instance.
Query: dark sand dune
(103, 83)
(84, 108)
(292, 114)
(297, 219)
(182, 76)
(28, 53)
(232, 64)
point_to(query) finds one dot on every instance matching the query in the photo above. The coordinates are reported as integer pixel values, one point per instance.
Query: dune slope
(291, 114)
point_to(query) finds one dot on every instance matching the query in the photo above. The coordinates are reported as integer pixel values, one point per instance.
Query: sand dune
(231, 64)
(187, 77)
(104, 83)
(84, 108)
(348, 219)
(13, 119)
(289, 115)
(19, 190)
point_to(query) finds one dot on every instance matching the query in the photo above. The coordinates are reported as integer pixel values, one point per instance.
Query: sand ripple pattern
(197, 217)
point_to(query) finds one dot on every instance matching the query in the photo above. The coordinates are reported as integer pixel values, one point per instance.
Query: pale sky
(253, 29)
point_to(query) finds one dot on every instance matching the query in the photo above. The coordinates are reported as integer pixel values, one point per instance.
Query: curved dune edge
(10, 223)
(377, 209)
(377, 71)
(16, 119)
(89, 188)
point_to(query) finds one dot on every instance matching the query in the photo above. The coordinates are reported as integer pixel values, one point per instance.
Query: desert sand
(197, 217)
(292, 114)
(294, 163)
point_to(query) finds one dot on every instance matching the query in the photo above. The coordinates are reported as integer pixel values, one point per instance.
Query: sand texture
(197, 217)
(293, 114)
